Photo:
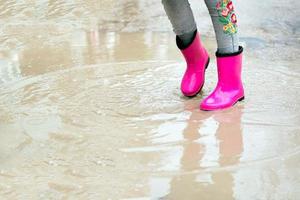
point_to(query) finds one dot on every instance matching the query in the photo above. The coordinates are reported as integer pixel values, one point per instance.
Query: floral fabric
(227, 16)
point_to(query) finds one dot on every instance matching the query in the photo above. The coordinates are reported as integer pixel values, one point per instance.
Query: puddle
(90, 108)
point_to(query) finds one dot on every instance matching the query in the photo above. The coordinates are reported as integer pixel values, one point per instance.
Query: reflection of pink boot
(197, 60)
(229, 89)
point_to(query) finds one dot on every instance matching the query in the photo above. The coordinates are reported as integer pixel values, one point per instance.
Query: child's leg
(224, 21)
(190, 45)
(182, 19)
(229, 89)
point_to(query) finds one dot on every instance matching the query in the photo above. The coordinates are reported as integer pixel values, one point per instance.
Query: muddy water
(90, 106)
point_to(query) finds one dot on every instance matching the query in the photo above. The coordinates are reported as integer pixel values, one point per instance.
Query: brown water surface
(90, 105)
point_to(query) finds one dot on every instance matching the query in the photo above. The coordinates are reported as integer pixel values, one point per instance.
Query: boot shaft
(195, 52)
(230, 68)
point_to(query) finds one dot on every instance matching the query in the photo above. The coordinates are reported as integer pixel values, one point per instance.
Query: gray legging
(223, 17)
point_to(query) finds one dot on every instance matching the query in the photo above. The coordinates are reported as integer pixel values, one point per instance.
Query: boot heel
(207, 63)
(241, 99)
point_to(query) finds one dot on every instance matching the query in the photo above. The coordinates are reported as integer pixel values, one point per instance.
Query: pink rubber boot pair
(229, 89)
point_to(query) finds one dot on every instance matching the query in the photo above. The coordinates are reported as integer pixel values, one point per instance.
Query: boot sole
(191, 96)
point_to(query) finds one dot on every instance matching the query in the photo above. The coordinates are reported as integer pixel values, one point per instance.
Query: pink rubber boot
(197, 60)
(229, 89)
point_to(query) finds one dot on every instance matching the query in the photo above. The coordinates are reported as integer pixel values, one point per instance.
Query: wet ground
(90, 105)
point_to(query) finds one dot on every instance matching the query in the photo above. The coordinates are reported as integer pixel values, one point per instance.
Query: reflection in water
(229, 144)
(90, 105)
(9, 67)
